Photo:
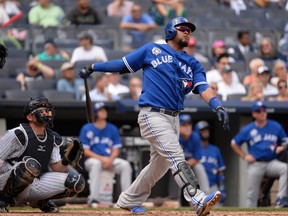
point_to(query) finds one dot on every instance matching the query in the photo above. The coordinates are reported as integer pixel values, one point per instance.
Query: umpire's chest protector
(40, 150)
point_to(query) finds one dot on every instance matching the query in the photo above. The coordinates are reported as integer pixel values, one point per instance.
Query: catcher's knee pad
(185, 175)
(22, 176)
(74, 184)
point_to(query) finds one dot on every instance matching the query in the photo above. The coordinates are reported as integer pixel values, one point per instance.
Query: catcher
(32, 170)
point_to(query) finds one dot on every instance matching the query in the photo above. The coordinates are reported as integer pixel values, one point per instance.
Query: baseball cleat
(209, 201)
(135, 210)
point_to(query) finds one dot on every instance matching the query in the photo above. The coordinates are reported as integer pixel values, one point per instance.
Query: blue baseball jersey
(192, 146)
(262, 141)
(213, 162)
(100, 141)
(170, 73)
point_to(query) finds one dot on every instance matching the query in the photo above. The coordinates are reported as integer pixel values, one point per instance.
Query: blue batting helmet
(170, 30)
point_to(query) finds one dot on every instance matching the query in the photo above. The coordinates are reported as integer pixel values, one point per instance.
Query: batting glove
(86, 71)
(223, 116)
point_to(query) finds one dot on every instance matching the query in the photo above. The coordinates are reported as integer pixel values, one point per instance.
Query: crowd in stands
(241, 56)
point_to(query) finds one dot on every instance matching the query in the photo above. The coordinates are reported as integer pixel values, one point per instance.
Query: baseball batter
(28, 153)
(169, 74)
(265, 139)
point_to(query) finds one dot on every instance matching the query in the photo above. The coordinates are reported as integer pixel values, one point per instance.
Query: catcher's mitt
(73, 153)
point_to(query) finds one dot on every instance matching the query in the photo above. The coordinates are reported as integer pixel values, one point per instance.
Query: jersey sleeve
(134, 60)
(282, 137)
(55, 156)
(239, 139)
(116, 138)
(83, 137)
(199, 78)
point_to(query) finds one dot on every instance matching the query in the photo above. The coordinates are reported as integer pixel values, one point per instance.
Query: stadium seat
(18, 95)
(41, 84)
(55, 95)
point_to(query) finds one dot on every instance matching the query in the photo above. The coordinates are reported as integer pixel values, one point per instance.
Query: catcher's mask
(3, 55)
(38, 107)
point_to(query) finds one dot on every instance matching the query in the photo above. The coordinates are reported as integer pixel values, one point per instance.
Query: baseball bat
(89, 107)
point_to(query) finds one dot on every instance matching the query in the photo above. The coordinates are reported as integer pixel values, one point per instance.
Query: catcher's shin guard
(184, 175)
(21, 177)
(74, 184)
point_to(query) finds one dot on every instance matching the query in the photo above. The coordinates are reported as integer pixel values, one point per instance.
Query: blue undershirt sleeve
(110, 66)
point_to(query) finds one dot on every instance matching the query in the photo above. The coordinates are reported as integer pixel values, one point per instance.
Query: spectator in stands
(99, 93)
(214, 75)
(102, 147)
(114, 86)
(244, 48)
(34, 71)
(135, 89)
(255, 92)
(162, 9)
(268, 3)
(3, 16)
(227, 87)
(68, 82)
(218, 47)
(283, 92)
(254, 64)
(51, 53)
(9, 7)
(83, 14)
(119, 8)
(280, 72)
(212, 160)
(268, 51)
(46, 14)
(137, 24)
(88, 51)
(191, 49)
(283, 42)
(191, 144)
(264, 77)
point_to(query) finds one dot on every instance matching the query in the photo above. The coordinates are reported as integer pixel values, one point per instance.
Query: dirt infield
(156, 212)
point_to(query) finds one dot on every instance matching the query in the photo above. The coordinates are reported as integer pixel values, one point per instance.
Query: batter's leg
(202, 177)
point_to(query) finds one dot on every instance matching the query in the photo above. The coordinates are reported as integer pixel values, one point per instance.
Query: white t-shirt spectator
(97, 53)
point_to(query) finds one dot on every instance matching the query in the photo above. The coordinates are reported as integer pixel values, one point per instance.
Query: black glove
(223, 116)
(73, 153)
(86, 71)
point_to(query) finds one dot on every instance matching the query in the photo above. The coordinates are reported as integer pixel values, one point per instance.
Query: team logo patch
(186, 83)
(253, 132)
(156, 51)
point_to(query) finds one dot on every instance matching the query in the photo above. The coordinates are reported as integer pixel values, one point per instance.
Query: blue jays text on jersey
(170, 73)
(262, 141)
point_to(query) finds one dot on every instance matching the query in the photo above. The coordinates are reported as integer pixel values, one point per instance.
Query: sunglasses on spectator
(184, 29)
(261, 110)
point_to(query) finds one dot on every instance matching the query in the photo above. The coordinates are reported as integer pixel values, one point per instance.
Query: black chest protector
(39, 150)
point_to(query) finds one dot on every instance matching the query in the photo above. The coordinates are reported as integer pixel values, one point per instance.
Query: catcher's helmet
(201, 125)
(3, 55)
(40, 102)
(170, 30)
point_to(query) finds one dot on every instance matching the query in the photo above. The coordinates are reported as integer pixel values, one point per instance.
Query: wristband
(214, 102)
